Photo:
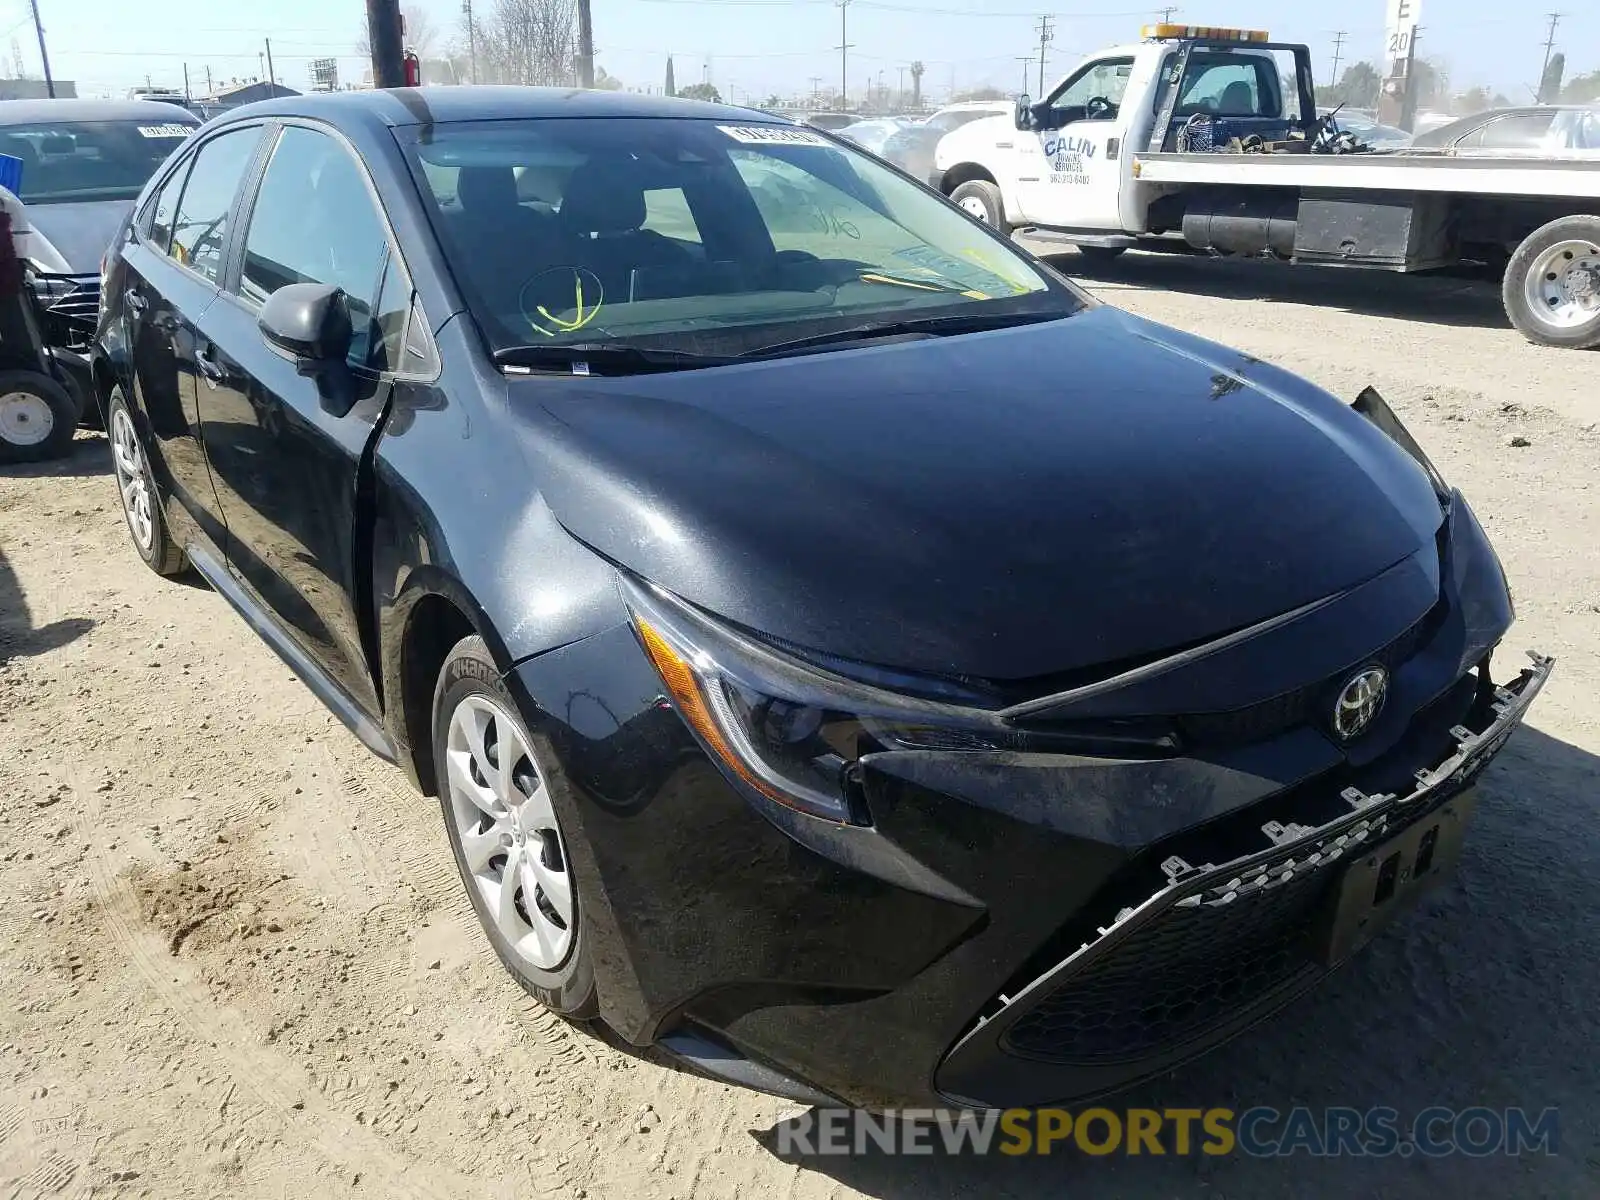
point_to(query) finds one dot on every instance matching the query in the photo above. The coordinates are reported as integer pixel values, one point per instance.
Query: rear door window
(165, 209)
(200, 227)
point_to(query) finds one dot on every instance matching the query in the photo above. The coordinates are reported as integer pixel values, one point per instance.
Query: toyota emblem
(1359, 702)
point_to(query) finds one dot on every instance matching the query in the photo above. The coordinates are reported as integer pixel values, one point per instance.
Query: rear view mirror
(1023, 117)
(309, 322)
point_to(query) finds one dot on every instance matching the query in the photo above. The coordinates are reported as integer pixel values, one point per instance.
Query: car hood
(1005, 505)
(77, 234)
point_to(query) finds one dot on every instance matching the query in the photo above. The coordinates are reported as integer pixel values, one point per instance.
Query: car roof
(1442, 135)
(40, 112)
(426, 105)
(971, 105)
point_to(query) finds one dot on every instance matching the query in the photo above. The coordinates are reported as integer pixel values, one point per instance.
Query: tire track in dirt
(276, 1085)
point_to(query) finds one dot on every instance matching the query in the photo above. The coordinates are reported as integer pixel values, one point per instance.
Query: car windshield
(90, 160)
(702, 236)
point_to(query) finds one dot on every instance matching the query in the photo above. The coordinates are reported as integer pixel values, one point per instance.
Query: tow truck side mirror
(1023, 117)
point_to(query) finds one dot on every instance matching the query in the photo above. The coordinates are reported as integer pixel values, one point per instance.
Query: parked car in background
(911, 149)
(83, 164)
(871, 134)
(1558, 130)
(830, 121)
(847, 655)
(1367, 128)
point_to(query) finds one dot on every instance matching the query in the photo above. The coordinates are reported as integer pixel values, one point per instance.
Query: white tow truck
(1212, 136)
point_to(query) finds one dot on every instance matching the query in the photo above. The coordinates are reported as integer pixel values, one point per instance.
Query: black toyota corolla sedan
(845, 654)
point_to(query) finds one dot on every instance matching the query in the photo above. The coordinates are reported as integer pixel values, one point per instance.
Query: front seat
(603, 213)
(493, 225)
(1237, 101)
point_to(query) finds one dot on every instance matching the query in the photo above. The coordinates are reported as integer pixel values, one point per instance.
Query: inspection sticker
(773, 135)
(161, 131)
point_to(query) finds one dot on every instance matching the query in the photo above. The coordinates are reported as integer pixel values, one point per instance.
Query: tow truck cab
(1065, 161)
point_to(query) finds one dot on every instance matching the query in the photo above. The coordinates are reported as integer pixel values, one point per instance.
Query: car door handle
(206, 363)
(136, 303)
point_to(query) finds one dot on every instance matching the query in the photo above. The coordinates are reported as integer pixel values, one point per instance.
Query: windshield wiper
(936, 326)
(603, 358)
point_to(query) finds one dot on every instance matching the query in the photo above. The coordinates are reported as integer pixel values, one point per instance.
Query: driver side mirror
(309, 323)
(1022, 118)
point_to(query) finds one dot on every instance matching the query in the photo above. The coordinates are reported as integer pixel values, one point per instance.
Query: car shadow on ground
(90, 455)
(1434, 299)
(19, 637)
(1483, 996)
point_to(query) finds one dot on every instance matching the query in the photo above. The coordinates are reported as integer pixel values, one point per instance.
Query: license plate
(1390, 877)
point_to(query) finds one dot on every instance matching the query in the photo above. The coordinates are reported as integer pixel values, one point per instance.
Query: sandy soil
(236, 960)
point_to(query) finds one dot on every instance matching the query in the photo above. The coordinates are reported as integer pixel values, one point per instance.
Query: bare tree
(529, 42)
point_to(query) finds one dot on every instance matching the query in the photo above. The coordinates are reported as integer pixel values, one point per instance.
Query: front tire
(141, 505)
(1551, 289)
(494, 784)
(982, 199)
(37, 417)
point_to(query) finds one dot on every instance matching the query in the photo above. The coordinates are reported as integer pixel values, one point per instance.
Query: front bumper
(817, 955)
(1214, 950)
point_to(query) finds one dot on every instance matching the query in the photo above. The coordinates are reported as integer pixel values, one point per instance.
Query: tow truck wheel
(981, 199)
(1100, 256)
(37, 417)
(1552, 284)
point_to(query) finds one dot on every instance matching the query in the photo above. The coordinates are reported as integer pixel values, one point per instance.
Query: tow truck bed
(1396, 172)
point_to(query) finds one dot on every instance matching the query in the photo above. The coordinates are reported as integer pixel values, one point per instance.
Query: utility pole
(472, 40)
(1408, 105)
(210, 87)
(44, 55)
(1027, 61)
(1549, 45)
(1338, 53)
(186, 83)
(1047, 34)
(1166, 13)
(272, 75)
(388, 49)
(844, 55)
(816, 89)
(585, 45)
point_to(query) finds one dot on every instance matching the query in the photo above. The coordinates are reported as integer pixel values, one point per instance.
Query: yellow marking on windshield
(578, 322)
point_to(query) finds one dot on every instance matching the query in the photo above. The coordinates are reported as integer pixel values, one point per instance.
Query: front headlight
(793, 731)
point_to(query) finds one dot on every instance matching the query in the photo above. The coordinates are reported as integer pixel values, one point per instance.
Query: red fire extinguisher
(413, 69)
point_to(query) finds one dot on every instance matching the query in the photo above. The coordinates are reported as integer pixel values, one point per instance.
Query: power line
(844, 53)
(1047, 34)
(1549, 45)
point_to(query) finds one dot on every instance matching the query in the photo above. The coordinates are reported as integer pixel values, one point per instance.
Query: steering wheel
(1098, 108)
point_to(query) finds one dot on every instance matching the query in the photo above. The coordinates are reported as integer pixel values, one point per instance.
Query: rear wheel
(495, 792)
(140, 506)
(982, 199)
(37, 417)
(1551, 288)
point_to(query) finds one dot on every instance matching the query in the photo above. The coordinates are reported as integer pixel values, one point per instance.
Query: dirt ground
(236, 960)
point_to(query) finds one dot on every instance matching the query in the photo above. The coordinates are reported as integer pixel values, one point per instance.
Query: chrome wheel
(25, 419)
(507, 830)
(132, 480)
(1563, 285)
(977, 208)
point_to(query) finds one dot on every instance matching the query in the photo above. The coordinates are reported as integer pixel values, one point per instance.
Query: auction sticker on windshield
(162, 131)
(773, 135)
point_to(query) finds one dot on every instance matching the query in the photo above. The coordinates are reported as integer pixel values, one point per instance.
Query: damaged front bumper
(1218, 946)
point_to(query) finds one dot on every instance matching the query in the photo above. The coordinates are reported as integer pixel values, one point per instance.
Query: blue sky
(752, 47)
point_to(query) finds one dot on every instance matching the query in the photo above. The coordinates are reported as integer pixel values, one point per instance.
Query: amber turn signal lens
(688, 694)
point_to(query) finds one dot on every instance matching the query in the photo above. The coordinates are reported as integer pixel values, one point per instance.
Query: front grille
(1178, 977)
(1303, 706)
